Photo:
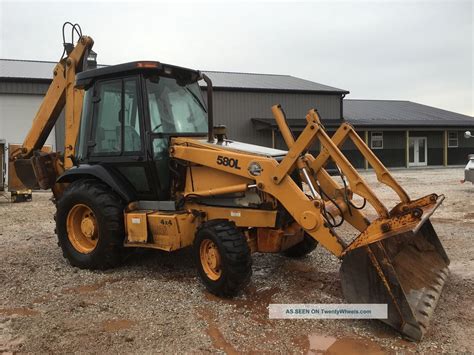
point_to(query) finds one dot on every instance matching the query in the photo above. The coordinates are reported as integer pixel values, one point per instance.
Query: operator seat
(132, 141)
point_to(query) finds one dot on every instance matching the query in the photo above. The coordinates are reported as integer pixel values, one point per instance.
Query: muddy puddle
(324, 344)
(91, 287)
(217, 339)
(253, 298)
(114, 325)
(44, 299)
(310, 279)
(21, 312)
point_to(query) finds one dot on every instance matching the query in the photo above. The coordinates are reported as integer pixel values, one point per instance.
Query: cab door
(117, 134)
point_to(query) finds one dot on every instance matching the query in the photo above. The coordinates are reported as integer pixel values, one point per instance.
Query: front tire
(90, 225)
(222, 257)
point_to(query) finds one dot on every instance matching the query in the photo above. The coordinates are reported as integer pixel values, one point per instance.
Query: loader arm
(305, 211)
(346, 131)
(275, 180)
(61, 94)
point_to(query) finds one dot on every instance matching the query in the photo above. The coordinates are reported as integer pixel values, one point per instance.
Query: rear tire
(90, 226)
(223, 258)
(303, 248)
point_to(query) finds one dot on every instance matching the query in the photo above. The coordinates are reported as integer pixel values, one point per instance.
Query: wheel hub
(82, 228)
(88, 227)
(210, 259)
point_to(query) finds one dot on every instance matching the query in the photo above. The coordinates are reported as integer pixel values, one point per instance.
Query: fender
(97, 171)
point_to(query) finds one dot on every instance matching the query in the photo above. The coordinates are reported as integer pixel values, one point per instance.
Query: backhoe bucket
(406, 271)
(25, 173)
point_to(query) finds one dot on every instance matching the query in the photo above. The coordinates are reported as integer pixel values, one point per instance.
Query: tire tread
(111, 209)
(237, 258)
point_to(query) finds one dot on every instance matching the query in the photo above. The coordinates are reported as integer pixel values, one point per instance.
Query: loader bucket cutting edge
(407, 272)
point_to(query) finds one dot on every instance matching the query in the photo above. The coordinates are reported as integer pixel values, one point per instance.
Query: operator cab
(129, 113)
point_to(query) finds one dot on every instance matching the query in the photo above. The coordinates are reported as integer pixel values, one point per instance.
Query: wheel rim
(210, 259)
(82, 229)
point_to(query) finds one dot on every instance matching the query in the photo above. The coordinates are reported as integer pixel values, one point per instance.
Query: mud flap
(406, 271)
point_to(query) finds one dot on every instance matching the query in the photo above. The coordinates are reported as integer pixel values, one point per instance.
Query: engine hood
(248, 148)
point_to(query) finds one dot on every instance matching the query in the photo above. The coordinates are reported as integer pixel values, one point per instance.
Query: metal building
(401, 133)
(406, 134)
(239, 98)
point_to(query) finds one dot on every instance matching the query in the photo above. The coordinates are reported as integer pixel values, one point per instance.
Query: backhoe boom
(61, 94)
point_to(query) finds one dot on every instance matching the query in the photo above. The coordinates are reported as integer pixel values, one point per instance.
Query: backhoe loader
(144, 167)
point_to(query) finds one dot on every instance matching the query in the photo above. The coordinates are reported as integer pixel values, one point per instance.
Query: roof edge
(244, 89)
(10, 79)
(389, 100)
(329, 90)
(216, 88)
(301, 122)
(30, 60)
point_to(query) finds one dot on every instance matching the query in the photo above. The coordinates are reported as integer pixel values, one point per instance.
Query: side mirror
(467, 135)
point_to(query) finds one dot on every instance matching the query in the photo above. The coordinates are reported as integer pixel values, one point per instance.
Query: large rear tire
(90, 226)
(222, 257)
(303, 248)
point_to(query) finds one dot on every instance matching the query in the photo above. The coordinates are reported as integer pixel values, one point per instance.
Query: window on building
(376, 140)
(453, 139)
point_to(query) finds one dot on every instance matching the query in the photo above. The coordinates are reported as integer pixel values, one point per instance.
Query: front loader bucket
(406, 271)
(397, 259)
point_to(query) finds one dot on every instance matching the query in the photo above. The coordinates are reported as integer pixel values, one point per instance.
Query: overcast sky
(420, 51)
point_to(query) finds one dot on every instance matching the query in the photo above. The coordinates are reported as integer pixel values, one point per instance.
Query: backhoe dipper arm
(60, 93)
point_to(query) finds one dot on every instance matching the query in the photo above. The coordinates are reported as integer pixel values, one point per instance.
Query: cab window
(117, 123)
(175, 108)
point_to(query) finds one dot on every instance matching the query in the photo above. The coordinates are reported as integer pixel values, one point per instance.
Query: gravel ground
(155, 302)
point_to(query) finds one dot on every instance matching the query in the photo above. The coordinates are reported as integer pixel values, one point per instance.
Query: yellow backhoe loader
(143, 166)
